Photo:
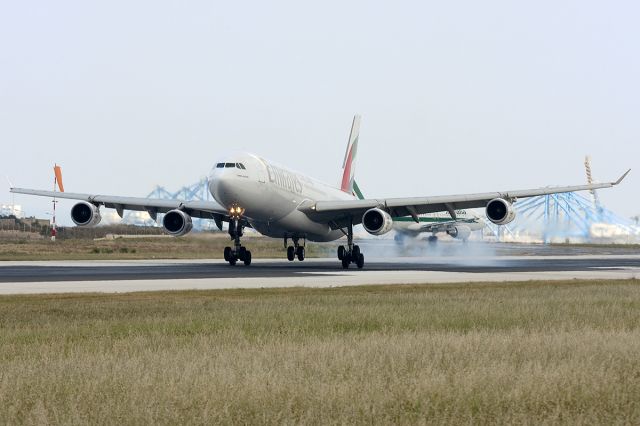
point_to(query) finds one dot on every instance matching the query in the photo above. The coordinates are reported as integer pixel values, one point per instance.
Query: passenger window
(220, 165)
(230, 165)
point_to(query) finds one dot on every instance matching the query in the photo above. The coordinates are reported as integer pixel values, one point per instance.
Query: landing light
(236, 211)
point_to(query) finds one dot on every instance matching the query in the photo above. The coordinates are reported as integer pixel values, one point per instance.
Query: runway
(152, 275)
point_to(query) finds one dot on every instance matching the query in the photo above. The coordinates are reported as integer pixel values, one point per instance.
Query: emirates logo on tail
(348, 164)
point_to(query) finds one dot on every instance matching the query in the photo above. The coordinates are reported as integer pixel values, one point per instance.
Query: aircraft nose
(216, 186)
(222, 189)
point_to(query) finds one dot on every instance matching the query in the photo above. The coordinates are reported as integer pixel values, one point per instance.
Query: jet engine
(85, 214)
(461, 232)
(177, 223)
(500, 211)
(377, 221)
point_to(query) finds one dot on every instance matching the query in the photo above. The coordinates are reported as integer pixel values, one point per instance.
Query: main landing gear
(296, 250)
(238, 252)
(351, 253)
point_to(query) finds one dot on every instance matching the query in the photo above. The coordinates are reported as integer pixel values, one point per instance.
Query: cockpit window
(230, 166)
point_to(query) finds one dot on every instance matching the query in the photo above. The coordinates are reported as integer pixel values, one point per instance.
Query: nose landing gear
(238, 252)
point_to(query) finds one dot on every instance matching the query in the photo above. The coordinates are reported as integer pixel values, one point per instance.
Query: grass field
(530, 353)
(193, 246)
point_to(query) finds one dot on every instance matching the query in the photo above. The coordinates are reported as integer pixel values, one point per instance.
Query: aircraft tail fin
(348, 165)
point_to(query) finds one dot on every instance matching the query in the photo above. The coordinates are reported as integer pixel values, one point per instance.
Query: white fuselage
(270, 195)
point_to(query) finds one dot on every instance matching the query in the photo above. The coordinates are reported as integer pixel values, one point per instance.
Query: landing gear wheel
(346, 261)
(341, 252)
(355, 253)
(300, 253)
(227, 254)
(360, 260)
(232, 261)
(242, 253)
(247, 258)
(291, 253)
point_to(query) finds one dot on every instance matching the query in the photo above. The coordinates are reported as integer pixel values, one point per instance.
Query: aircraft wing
(153, 206)
(339, 213)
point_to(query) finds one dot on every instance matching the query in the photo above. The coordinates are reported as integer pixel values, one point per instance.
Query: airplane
(434, 223)
(405, 227)
(250, 191)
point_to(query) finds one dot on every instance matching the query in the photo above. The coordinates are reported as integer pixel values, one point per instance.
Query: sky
(455, 97)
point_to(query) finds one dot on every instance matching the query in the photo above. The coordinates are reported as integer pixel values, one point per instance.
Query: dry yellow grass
(193, 246)
(531, 353)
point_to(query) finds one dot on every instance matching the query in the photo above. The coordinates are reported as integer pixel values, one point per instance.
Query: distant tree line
(29, 225)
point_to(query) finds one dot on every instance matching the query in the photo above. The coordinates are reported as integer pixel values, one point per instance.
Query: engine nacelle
(461, 232)
(177, 223)
(377, 221)
(500, 211)
(85, 214)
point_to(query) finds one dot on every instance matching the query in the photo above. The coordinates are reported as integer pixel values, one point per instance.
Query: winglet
(356, 191)
(622, 177)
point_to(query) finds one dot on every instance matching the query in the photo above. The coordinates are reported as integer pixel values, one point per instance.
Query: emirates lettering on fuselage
(284, 179)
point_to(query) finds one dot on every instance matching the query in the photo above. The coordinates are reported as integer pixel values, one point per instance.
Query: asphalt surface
(171, 270)
(385, 263)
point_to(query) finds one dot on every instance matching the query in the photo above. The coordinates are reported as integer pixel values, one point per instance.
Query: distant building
(32, 221)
